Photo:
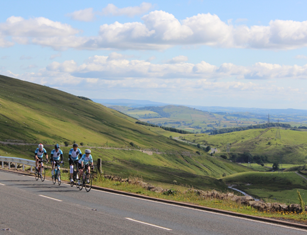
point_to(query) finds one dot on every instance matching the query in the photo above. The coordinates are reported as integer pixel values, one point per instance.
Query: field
(291, 148)
(271, 187)
(268, 166)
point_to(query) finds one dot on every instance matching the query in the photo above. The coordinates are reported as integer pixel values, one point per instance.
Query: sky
(207, 53)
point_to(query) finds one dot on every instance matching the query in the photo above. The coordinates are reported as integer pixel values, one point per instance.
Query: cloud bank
(157, 31)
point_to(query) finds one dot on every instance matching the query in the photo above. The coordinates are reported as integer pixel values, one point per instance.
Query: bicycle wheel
(88, 183)
(54, 177)
(59, 177)
(43, 174)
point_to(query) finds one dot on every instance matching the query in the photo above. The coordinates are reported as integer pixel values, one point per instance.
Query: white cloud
(4, 57)
(83, 15)
(157, 31)
(35, 27)
(178, 59)
(112, 10)
(301, 57)
(117, 66)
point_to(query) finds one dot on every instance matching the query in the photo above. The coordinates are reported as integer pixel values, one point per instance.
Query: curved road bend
(32, 207)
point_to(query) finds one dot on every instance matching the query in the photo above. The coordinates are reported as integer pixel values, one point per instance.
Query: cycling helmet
(57, 146)
(87, 151)
(40, 146)
(75, 145)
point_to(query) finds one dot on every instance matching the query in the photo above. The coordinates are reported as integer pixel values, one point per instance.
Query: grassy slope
(34, 113)
(280, 187)
(292, 146)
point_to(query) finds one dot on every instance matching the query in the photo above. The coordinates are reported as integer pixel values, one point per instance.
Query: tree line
(172, 129)
(243, 128)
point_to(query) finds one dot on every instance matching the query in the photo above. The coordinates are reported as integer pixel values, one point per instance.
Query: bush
(198, 146)
(198, 152)
(275, 166)
(81, 143)
(66, 143)
(224, 156)
(132, 144)
(208, 148)
(224, 174)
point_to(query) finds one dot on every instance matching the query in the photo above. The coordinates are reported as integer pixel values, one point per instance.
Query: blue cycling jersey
(56, 155)
(75, 154)
(86, 160)
(40, 153)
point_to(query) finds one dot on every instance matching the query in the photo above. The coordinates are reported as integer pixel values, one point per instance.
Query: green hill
(189, 119)
(290, 148)
(271, 187)
(31, 113)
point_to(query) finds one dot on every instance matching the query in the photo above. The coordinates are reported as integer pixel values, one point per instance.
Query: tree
(275, 166)
(208, 148)
(224, 156)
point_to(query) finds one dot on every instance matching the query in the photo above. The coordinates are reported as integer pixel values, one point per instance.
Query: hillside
(291, 148)
(270, 187)
(31, 113)
(189, 119)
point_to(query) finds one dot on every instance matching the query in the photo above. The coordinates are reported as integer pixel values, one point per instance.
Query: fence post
(2, 164)
(9, 165)
(31, 169)
(23, 167)
(99, 165)
(15, 165)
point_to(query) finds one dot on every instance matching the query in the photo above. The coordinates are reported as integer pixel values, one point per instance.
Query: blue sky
(210, 53)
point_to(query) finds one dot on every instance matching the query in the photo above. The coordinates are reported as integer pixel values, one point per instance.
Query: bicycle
(86, 180)
(40, 172)
(57, 174)
(75, 175)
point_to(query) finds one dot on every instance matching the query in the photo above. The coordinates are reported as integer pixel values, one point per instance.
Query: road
(33, 207)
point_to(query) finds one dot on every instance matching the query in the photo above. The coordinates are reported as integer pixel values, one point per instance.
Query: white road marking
(152, 225)
(204, 211)
(2, 184)
(58, 200)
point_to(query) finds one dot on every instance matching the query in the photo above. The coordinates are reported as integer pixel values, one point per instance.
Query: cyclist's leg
(52, 166)
(71, 165)
(36, 163)
(89, 171)
(57, 167)
(80, 172)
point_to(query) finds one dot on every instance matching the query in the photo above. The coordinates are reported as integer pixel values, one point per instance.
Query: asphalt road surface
(34, 207)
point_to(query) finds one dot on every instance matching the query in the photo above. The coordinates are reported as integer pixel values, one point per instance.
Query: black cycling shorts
(72, 162)
(84, 167)
(39, 160)
(56, 162)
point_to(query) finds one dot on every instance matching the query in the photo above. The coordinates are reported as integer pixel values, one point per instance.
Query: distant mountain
(128, 103)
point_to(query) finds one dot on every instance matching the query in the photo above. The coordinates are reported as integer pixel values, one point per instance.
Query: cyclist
(56, 155)
(85, 163)
(73, 158)
(39, 153)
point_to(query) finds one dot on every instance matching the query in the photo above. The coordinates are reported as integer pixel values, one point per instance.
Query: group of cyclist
(76, 159)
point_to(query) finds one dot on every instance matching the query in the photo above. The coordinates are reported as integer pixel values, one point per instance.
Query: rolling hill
(31, 113)
(189, 119)
(290, 148)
